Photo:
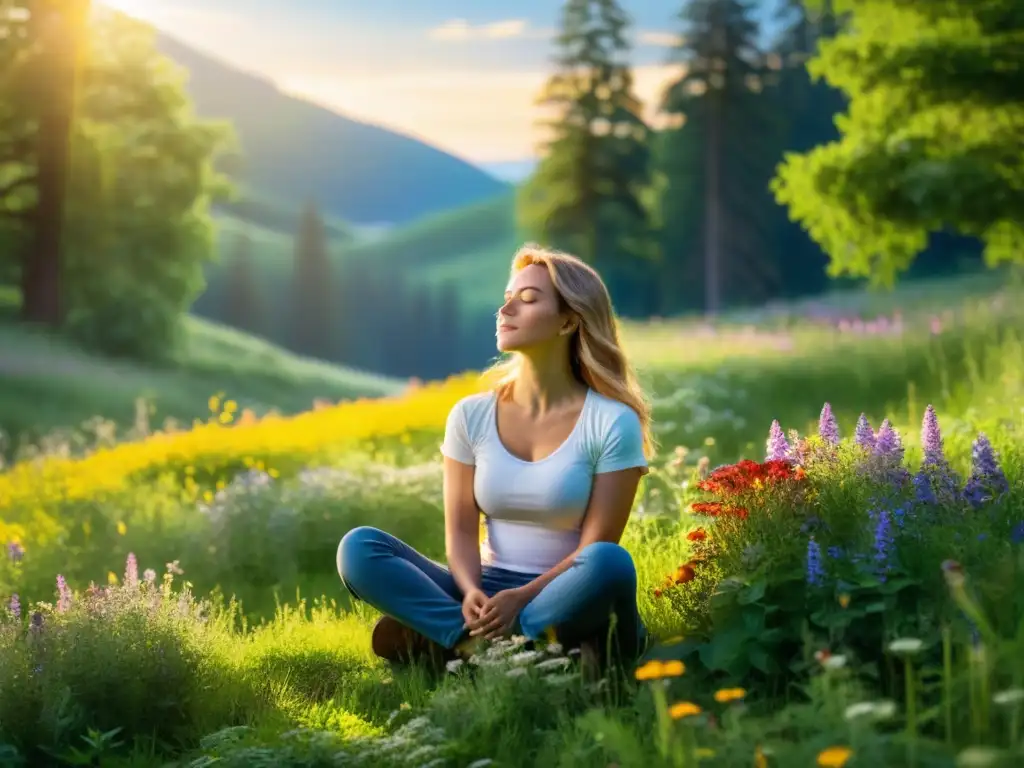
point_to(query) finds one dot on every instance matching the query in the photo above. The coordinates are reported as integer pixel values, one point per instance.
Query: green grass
(47, 383)
(309, 667)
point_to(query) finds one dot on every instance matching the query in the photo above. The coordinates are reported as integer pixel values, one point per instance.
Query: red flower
(684, 573)
(698, 535)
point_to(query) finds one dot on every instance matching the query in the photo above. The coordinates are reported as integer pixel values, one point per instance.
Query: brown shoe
(396, 643)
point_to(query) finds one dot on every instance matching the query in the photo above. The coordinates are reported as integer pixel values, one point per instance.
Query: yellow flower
(834, 757)
(230, 406)
(725, 695)
(682, 709)
(844, 601)
(760, 761)
(122, 529)
(214, 403)
(655, 670)
(111, 577)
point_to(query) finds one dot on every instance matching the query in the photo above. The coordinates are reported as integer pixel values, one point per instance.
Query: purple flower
(923, 490)
(131, 571)
(15, 551)
(888, 443)
(1017, 534)
(14, 606)
(828, 428)
(863, 435)
(63, 595)
(931, 438)
(987, 480)
(815, 570)
(883, 543)
(777, 447)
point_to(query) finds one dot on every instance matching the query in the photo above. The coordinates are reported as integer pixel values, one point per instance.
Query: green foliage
(930, 142)
(585, 195)
(311, 312)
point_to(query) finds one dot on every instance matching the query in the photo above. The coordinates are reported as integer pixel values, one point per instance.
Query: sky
(462, 75)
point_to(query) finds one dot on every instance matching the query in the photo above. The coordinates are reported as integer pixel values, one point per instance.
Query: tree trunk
(60, 32)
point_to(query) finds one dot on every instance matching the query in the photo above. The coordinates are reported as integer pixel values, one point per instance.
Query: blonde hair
(595, 352)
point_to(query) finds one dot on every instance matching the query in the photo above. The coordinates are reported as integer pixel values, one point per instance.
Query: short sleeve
(457, 444)
(622, 446)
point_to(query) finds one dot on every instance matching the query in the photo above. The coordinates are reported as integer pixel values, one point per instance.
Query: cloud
(658, 39)
(460, 30)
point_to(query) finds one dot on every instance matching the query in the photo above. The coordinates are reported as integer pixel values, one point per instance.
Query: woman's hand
(473, 603)
(499, 614)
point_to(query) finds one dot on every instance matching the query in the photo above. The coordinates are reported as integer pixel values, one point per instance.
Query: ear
(570, 325)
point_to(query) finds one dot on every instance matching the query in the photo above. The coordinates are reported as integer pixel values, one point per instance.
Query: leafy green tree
(136, 230)
(311, 309)
(586, 195)
(932, 140)
(714, 153)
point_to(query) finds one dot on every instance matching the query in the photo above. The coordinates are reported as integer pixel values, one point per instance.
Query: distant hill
(294, 150)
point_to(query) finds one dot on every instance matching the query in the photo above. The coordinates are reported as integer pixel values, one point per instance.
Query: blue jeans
(577, 605)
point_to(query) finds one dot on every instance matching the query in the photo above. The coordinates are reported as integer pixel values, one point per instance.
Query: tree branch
(17, 183)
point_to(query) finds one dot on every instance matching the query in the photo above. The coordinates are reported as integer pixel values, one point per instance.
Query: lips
(506, 327)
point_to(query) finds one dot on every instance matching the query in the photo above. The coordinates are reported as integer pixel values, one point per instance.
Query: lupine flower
(777, 447)
(883, 543)
(888, 443)
(931, 438)
(864, 435)
(14, 606)
(149, 576)
(815, 571)
(987, 479)
(15, 551)
(63, 594)
(828, 428)
(923, 490)
(131, 571)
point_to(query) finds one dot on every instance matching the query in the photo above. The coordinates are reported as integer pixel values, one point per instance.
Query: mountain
(294, 150)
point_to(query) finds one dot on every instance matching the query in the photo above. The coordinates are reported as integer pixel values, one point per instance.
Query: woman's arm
(461, 525)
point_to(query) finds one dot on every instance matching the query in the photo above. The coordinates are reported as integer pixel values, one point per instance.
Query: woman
(552, 457)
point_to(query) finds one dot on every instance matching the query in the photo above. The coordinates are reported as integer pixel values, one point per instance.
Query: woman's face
(530, 315)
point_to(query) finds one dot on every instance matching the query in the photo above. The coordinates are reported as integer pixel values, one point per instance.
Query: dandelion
(864, 435)
(727, 695)
(828, 428)
(777, 447)
(815, 570)
(682, 709)
(834, 757)
(657, 670)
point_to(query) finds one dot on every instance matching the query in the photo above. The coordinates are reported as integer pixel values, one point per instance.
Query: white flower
(1009, 696)
(562, 679)
(524, 657)
(516, 672)
(978, 757)
(559, 662)
(453, 665)
(481, 763)
(860, 709)
(836, 661)
(906, 645)
(555, 649)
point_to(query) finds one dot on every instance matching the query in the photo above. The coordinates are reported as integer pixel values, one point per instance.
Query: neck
(545, 380)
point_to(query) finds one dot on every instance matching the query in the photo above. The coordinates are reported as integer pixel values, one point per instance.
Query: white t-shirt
(534, 510)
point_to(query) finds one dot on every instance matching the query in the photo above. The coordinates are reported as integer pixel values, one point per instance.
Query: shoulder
(608, 414)
(472, 411)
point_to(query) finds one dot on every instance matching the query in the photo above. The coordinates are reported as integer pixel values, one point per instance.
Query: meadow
(857, 599)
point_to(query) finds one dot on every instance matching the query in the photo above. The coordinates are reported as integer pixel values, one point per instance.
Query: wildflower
(15, 551)
(760, 760)
(63, 594)
(727, 695)
(131, 571)
(931, 438)
(1009, 696)
(844, 601)
(828, 428)
(883, 543)
(923, 490)
(834, 757)
(516, 672)
(863, 435)
(656, 670)
(14, 606)
(978, 757)
(887, 442)
(815, 571)
(697, 535)
(830, 661)
(878, 710)
(777, 447)
(453, 665)
(987, 479)
(906, 646)
(682, 709)
(149, 576)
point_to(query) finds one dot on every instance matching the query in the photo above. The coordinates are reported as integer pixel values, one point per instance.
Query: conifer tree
(586, 195)
(310, 310)
(242, 308)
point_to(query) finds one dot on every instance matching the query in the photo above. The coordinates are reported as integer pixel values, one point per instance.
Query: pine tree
(310, 311)
(242, 307)
(586, 195)
(721, 128)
